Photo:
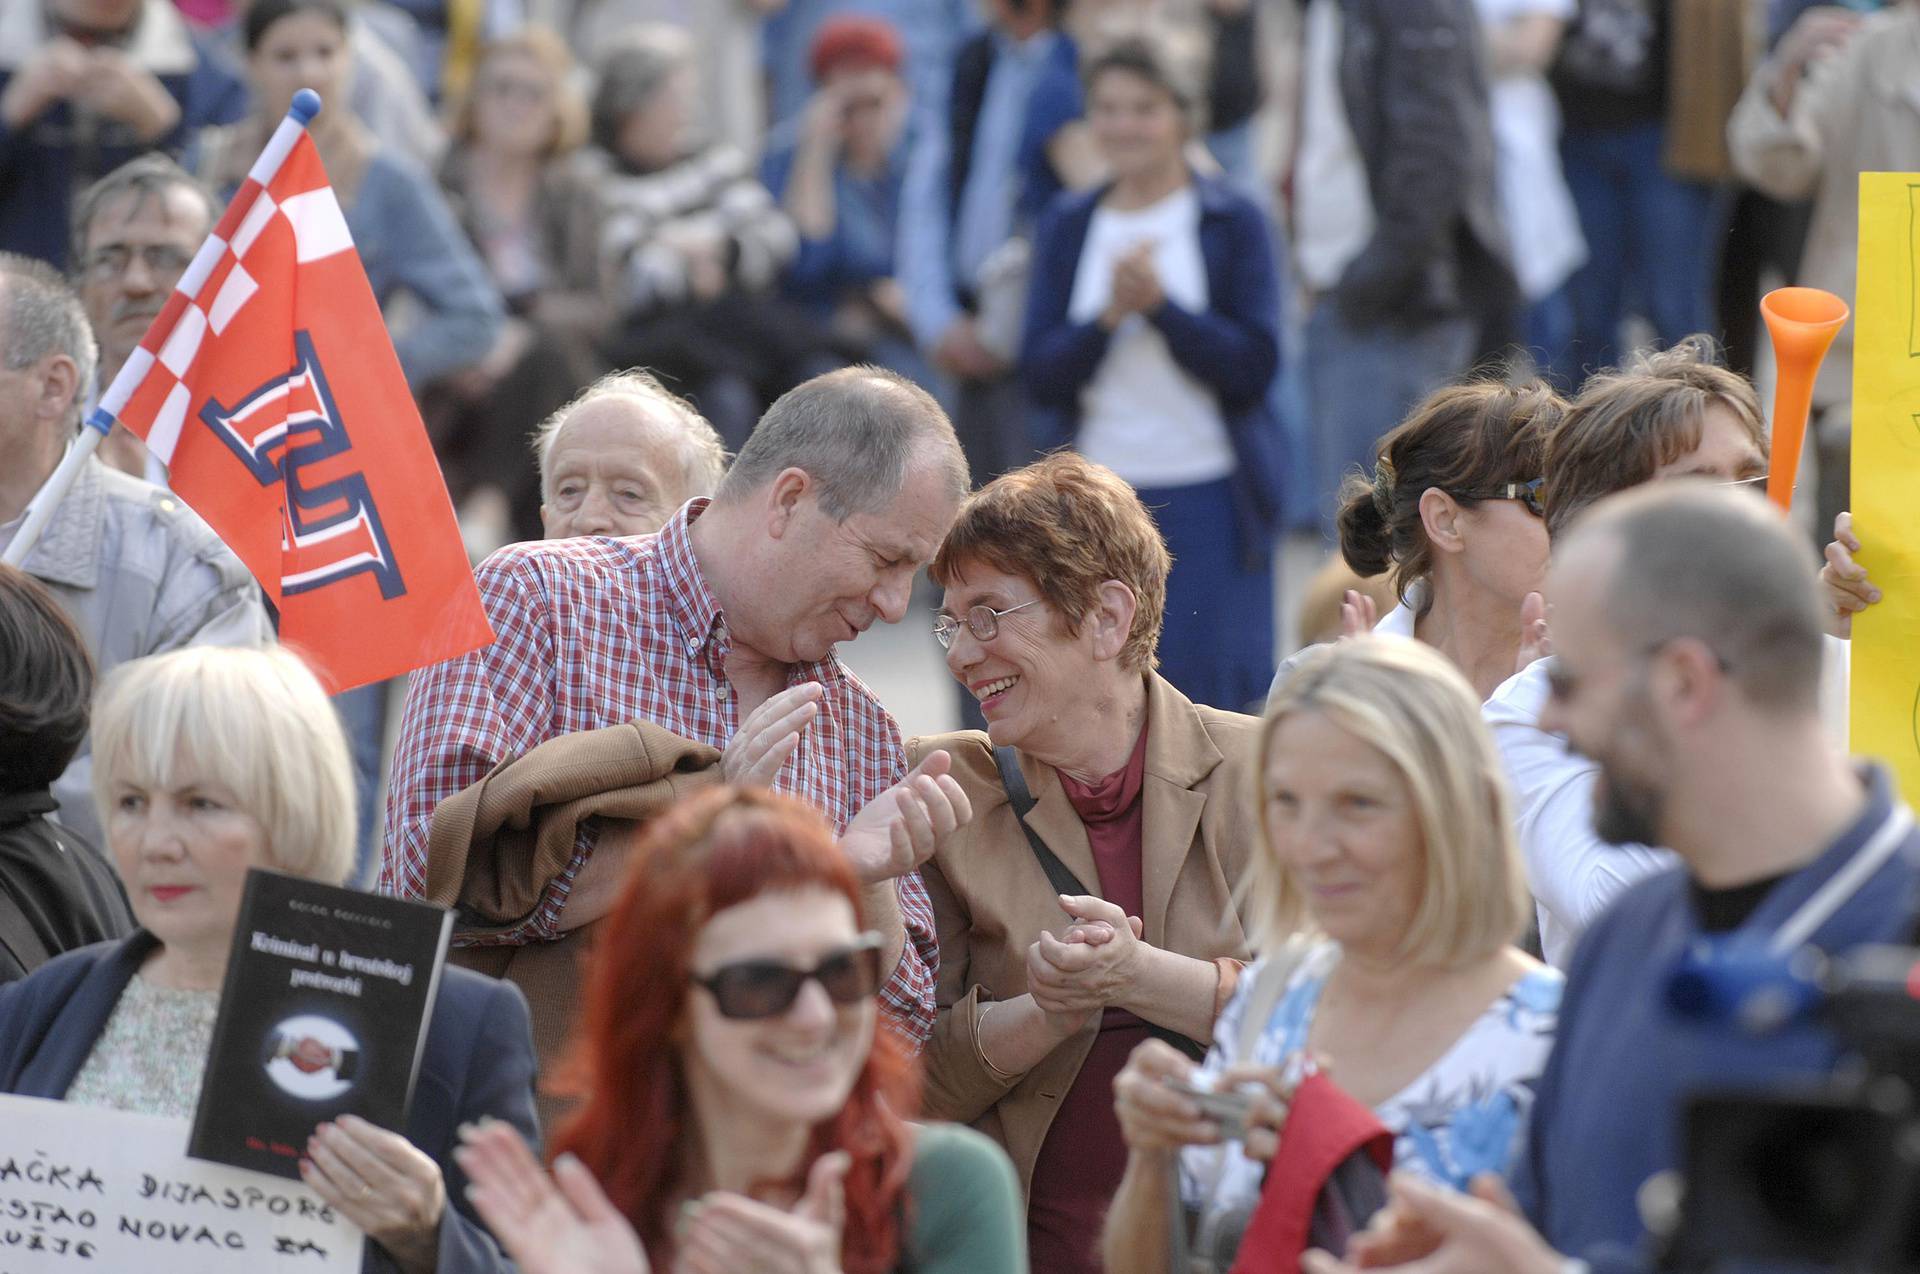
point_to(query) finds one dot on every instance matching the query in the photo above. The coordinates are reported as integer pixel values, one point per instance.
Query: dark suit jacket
(478, 1062)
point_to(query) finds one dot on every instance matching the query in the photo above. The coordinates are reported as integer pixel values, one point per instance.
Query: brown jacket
(495, 847)
(991, 899)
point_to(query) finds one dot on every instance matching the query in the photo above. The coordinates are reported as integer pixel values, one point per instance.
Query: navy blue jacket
(1607, 1114)
(478, 1062)
(1233, 347)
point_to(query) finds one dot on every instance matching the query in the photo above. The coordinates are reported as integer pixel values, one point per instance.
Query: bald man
(622, 457)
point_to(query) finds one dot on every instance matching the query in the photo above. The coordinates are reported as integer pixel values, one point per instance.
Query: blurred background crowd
(1220, 246)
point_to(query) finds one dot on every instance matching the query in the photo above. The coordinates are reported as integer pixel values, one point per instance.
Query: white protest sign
(89, 1189)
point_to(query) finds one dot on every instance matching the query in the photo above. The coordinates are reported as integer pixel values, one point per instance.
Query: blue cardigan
(478, 1062)
(1233, 346)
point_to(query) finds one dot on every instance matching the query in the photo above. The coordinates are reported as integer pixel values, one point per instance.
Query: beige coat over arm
(991, 899)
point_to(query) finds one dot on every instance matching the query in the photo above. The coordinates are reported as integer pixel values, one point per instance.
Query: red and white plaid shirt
(598, 632)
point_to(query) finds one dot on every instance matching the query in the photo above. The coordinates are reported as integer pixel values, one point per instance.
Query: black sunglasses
(1527, 493)
(753, 989)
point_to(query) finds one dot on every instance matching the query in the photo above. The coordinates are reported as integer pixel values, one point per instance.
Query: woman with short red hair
(1090, 903)
(741, 1112)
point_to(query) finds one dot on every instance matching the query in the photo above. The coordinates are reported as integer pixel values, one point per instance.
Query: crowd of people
(739, 327)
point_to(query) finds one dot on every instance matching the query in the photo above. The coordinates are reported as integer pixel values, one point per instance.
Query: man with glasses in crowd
(134, 233)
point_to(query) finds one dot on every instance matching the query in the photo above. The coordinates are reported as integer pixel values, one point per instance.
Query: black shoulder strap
(1064, 881)
(1061, 875)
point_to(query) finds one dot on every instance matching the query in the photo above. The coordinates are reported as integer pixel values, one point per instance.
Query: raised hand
(904, 825)
(1849, 591)
(1358, 614)
(563, 1224)
(770, 734)
(1535, 642)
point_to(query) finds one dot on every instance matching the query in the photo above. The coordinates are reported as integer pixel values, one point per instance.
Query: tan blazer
(991, 899)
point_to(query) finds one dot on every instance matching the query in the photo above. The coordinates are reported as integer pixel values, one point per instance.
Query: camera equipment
(1824, 1174)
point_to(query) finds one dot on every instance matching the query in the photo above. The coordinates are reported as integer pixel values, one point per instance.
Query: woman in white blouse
(1151, 341)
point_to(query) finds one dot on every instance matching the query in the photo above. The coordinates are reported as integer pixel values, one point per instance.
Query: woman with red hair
(740, 1111)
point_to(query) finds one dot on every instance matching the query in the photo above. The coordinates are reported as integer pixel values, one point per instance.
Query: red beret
(853, 40)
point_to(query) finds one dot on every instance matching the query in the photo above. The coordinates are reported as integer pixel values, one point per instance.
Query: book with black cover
(323, 1013)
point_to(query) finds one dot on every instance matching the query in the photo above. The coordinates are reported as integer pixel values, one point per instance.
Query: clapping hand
(54, 74)
(120, 88)
(1136, 285)
(1535, 641)
(1090, 966)
(903, 826)
(1358, 614)
(563, 1224)
(770, 734)
(728, 1233)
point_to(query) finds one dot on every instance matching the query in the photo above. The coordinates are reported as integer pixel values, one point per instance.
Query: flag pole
(100, 421)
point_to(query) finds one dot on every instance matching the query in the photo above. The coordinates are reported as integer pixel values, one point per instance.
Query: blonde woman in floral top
(1390, 893)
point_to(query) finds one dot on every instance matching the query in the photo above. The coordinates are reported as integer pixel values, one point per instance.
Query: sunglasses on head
(1527, 493)
(749, 989)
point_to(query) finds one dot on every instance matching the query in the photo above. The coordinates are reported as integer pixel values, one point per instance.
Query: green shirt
(966, 1212)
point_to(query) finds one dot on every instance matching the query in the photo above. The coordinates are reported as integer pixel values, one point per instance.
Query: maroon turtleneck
(1081, 1162)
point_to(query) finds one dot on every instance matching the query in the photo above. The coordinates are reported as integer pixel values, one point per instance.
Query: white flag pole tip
(306, 104)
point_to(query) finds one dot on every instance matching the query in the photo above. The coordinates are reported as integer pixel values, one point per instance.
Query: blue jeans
(1647, 240)
(1361, 382)
(363, 715)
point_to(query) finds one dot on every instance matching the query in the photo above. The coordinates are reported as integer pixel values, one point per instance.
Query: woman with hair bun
(1453, 511)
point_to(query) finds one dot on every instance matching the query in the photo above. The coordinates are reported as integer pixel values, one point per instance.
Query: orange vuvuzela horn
(1803, 323)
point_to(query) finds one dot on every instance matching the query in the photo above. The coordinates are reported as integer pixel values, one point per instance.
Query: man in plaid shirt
(721, 628)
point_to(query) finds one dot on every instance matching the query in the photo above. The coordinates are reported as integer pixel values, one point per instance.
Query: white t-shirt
(1143, 415)
(1332, 205)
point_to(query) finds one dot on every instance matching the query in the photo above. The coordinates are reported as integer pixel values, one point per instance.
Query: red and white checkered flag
(268, 386)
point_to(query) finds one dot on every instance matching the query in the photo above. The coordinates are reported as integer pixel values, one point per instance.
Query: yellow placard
(1885, 698)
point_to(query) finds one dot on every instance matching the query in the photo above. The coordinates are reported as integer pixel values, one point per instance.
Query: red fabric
(273, 394)
(1080, 1163)
(1324, 1126)
(854, 40)
(596, 632)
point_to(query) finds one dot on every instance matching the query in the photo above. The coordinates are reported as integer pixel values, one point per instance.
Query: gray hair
(632, 69)
(853, 432)
(147, 176)
(42, 317)
(703, 457)
(1722, 567)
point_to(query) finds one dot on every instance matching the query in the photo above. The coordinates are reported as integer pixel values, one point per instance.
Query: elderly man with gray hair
(622, 456)
(139, 572)
(720, 629)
